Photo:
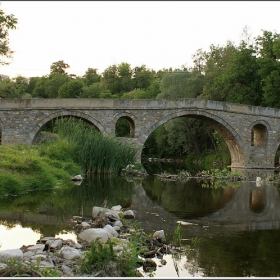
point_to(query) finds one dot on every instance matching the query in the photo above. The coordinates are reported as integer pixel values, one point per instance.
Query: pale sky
(98, 34)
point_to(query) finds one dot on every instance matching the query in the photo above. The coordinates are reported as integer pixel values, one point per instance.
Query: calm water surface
(233, 230)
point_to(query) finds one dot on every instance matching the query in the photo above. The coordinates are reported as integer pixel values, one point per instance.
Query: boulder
(92, 234)
(129, 214)
(11, 253)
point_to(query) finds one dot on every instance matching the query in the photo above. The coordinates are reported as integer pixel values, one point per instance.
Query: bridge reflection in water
(231, 216)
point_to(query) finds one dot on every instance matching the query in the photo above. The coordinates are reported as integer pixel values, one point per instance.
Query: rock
(159, 234)
(28, 254)
(116, 208)
(117, 224)
(77, 178)
(149, 265)
(11, 253)
(112, 215)
(3, 267)
(91, 234)
(96, 211)
(67, 271)
(36, 248)
(56, 244)
(129, 214)
(111, 230)
(70, 253)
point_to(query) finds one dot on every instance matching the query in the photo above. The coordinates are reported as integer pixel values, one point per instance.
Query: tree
(91, 76)
(240, 81)
(59, 67)
(21, 85)
(216, 61)
(7, 22)
(72, 89)
(179, 84)
(54, 82)
(268, 58)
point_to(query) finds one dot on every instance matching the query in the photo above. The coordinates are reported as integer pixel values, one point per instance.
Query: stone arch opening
(125, 127)
(228, 134)
(48, 121)
(259, 135)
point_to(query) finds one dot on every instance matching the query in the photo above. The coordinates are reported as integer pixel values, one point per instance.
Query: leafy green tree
(216, 61)
(53, 84)
(92, 91)
(71, 89)
(7, 89)
(136, 94)
(180, 84)
(142, 77)
(21, 85)
(240, 81)
(110, 79)
(59, 67)
(40, 87)
(7, 22)
(91, 76)
(31, 84)
(268, 57)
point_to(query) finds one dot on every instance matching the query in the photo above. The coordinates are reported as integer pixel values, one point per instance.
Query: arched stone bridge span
(252, 133)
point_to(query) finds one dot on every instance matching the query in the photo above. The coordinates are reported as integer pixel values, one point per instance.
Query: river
(232, 228)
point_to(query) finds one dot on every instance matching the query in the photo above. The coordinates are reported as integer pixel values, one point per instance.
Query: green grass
(27, 168)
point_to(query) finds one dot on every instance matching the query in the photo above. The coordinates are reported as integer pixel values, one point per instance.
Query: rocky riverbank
(107, 229)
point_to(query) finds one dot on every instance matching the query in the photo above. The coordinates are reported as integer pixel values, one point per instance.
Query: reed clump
(94, 152)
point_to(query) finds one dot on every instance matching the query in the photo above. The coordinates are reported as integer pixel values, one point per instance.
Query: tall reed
(94, 152)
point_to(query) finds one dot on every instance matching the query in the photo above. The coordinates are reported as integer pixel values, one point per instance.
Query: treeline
(248, 73)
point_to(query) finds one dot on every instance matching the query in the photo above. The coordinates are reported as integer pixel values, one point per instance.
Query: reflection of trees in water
(60, 204)
(243, 255)
(188, 199)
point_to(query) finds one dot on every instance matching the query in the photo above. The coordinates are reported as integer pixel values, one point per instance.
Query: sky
(99, 34)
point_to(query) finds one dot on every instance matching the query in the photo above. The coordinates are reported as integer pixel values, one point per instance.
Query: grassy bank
(78, 149)
(30, 168)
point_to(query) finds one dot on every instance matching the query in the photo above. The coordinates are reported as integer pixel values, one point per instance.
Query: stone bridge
(252, 133)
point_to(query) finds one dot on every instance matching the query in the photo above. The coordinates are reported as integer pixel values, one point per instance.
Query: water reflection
(238, 223)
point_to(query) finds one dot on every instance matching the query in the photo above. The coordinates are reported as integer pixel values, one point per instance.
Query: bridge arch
(226, 131)
(40, 124)
(259, 133)
(130, 118)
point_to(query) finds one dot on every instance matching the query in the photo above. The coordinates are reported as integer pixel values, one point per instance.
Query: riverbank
(111, 244)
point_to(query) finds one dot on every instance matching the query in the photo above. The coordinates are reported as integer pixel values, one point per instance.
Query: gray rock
(111, 230)
(28, 254)
(116, 208)
(70, 253)
(67, 271)
(96, 211)
(3, 267)
(117, 223)
(11, 253)
(129, 214)
(56, 244)
(38, 247)
(91, 234)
